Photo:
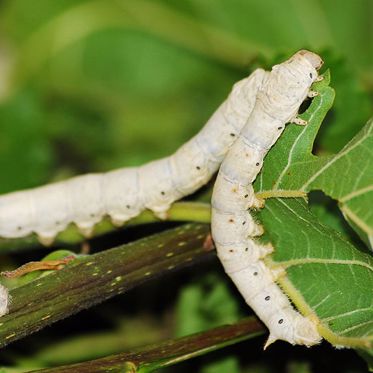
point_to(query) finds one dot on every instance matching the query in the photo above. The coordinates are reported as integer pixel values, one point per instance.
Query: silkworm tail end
(305, 334)
(271, 339)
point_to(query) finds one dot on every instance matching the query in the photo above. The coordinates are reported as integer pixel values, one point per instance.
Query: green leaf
(22, 122)
(203, 305)
(346, 176)
(351, 108)
(326, 277)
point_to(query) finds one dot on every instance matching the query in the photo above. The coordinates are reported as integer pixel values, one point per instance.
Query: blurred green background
(90, 85)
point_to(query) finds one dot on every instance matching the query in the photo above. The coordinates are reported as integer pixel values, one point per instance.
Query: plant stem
(169, 352)
(91, 279)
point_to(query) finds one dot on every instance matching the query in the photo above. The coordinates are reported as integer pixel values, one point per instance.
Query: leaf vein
(296, 262)
(357, 220)
(347, 150)
(356, 193)
(293, 148)
(350, 313)
(347, 330)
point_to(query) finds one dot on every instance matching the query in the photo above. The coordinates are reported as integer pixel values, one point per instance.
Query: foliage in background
(89, 85)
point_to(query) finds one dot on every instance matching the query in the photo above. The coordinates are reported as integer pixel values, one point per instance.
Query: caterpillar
(4, 300)
(122, 194)
(233, 228)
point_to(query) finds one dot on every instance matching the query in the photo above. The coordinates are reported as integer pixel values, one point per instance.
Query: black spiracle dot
(255, 273)
(19, 228)
(231, 250)
(92, 215)
(128, 206)
(246, 195)
(311, 76)
(246, 249)
(279, 128)
(280, 321)
(257, 163)
(163, 193)
(232, 134)
(244, 222)
(267, 298)
(198, 168)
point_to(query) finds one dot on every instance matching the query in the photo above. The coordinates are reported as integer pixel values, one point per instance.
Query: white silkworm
(4, 300)
(233, 228)
(122, 194)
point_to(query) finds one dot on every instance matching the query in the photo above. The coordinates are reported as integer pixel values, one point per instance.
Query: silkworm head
(314, 59)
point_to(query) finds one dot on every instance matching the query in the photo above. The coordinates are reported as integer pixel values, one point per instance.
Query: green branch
(167, 353)
(91, 279)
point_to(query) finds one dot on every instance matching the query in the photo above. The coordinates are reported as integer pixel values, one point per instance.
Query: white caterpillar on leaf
(124, 193)
(233, 228)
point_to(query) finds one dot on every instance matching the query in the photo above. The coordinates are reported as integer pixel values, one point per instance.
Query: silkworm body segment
(233, 228)
(124, 193)
(4, 300)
